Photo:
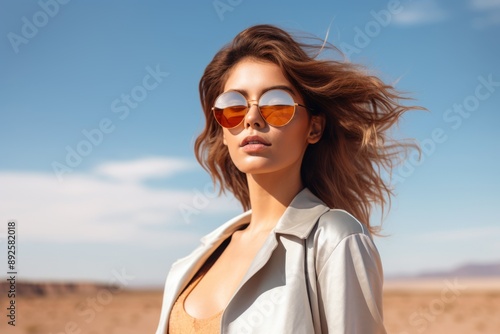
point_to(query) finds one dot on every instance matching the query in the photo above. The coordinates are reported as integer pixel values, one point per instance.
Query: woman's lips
(252, 144)
(254, 140)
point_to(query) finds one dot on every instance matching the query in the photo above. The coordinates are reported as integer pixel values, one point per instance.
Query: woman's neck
(270, 195)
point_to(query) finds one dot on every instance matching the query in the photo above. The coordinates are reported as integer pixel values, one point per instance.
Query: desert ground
(431, 307)
(443, 306)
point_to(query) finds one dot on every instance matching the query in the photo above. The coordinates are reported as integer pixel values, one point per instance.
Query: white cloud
(488, 12)
(86, 207)
(488, 20)
(142, 169)
(421, 12)
(465, 234)
(485, 4)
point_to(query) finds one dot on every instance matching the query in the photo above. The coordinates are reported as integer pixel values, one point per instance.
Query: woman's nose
(253, 118)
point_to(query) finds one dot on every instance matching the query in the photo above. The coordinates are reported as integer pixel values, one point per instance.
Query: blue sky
(99, 111)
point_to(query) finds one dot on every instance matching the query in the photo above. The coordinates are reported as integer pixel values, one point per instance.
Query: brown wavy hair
(344, 169)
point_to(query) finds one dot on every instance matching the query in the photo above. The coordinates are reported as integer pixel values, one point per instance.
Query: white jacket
(317, 272)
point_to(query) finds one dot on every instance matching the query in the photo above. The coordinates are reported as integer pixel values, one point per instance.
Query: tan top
(183, 323)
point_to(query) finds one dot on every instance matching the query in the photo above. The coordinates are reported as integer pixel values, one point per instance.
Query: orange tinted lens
(277, 107)
(230, 117)
(230, 109)
(277, 115)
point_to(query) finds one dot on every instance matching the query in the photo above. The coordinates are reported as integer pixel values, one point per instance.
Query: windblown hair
(344, 168)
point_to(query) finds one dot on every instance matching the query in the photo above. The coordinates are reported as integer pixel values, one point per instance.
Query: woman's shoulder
(341, 241)
(340, 223)
(334, 226)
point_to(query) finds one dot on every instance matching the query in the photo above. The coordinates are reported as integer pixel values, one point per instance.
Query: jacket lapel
(298, 219)
(184, 269)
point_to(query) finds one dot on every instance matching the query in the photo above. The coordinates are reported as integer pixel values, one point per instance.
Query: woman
(300, 141)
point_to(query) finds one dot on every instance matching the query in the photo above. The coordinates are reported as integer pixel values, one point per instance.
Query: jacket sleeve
(349, 286)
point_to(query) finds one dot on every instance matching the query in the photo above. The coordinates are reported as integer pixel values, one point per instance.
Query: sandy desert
(410, 307)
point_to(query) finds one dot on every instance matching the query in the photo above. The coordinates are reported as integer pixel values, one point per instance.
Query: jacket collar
(301, 215)
(298, 219)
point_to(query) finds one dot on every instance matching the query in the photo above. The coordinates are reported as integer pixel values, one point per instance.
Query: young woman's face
(256, 147)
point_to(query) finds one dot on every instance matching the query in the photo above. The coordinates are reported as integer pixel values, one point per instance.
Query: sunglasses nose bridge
(254, 117)
(252, 103)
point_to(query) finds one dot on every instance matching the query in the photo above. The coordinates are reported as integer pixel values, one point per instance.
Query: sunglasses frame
(249, 105)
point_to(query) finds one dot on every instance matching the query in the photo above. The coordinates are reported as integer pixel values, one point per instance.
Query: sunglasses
(276, 107)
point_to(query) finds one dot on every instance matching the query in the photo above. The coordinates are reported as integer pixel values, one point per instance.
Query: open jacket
(317, 272)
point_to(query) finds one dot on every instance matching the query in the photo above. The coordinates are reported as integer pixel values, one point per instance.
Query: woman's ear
(316, 129)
